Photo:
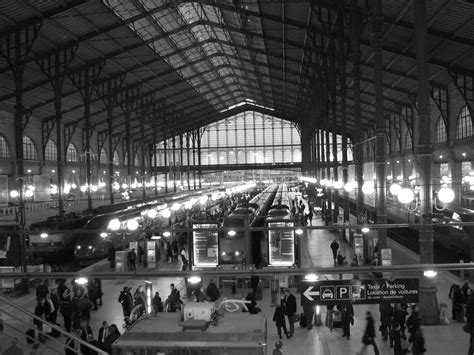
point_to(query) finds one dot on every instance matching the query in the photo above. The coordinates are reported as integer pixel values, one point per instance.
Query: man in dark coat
(132, 259)
(369, 334)
(126, 300)
(386, 319)
(111, 257)
(470, 320)
(65, 307)
(212, 291)
(289, 302)
(42, 290)
(174, 301)
(347, 319)
(279, 319)
(413, 323)
(334, 248)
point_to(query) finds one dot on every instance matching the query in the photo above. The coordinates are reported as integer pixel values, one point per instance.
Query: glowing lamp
(395, 189)
(14, 193)
(114, 224)
(152, 213)
(406, 195)
(446, 195)
(166, 213)
(231, 233)
(132, 224)
(44, 235)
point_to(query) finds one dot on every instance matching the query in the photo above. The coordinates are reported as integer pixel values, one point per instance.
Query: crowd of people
(75, 304)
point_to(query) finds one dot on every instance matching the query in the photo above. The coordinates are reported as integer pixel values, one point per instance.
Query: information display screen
(281, 244)
(205, 245)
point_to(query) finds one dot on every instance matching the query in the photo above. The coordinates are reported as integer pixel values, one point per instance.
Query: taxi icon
(327, 293)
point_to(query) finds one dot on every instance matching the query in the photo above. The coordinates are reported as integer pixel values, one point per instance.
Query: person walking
(111, 256)
(132, 259)
(157, 303)
(334, 247)
(369, 335)
(413, 323)
(386, 318)
(140, 299)
(65, 307)
(399, 316)
(279, 319)
(397, 342)
(212, 291)
(173, 302)
(470, 321)
(277, 350)
(289, 302)
(126, 300)
(347, 319)
(418, 346)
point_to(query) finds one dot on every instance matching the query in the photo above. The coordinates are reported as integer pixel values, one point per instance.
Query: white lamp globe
(132, 224)
(406, 195)
(114, 224)
(166, 213)
(446, 195)
(338, 184)
(152, 213)
(368, 188)
(14, 194)
(395, 189)
(28, 193)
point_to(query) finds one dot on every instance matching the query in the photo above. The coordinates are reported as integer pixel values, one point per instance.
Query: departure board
(281, 244)
(205, 245)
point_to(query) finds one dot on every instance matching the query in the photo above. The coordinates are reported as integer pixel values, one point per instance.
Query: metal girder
(439, 94)
(15, 45)
(465, 85)
(64, 6)
(47, 126)
(69, 129)
(406, 113)
(56, 65)
(87, 78)
(116, 138)
(135, 148)
(101, 138)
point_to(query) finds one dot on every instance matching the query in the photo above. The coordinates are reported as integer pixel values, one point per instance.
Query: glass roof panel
(187, 21)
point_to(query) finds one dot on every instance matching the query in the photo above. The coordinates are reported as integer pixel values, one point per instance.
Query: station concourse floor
(440, 340)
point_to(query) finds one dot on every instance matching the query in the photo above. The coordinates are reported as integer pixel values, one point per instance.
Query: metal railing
(78, 342)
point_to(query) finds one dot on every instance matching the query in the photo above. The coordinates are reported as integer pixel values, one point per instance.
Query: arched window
(51, 151)
(4, 148)
(71, 153)
(297, 155)
(103, 159)
(408, 140)
(136, 161)
(440, 136)
(29, 149)
(464, 124)
(116, 159)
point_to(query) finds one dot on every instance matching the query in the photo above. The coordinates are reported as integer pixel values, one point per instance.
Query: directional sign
(359, 291)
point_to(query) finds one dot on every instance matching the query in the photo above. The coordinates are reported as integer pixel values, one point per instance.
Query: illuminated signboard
(205, 245)
(281, 244)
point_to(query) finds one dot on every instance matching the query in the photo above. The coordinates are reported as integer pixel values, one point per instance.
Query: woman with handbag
(369, 335)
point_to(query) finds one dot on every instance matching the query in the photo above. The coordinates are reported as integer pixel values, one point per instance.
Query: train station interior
(259, 148)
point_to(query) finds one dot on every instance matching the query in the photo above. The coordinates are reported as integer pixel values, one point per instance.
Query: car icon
(356, 294)
(327, 293)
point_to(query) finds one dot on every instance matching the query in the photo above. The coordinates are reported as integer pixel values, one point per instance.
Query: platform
(440, 339)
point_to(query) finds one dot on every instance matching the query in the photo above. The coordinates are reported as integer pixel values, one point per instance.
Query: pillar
(428, 299)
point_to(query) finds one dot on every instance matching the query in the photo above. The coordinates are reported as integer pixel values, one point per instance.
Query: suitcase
(336, 319)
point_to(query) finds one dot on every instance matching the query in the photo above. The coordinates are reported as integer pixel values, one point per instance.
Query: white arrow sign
(308, 293)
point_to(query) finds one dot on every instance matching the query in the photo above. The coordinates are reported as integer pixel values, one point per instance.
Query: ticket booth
(151, 254)
(120, 260)
(359, 247)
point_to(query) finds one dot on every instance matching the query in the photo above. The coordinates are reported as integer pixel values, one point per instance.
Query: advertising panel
(281, 244)
(205, 245)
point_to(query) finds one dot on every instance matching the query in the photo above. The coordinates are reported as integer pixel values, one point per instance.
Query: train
(117, 229)
(238, 246)
(52, 239)
(280, 244)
